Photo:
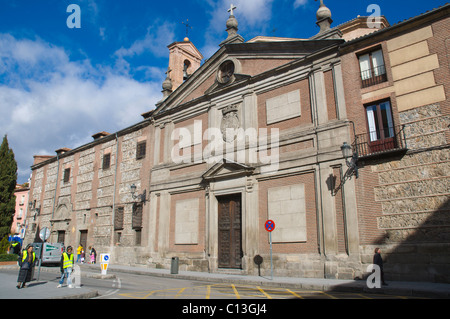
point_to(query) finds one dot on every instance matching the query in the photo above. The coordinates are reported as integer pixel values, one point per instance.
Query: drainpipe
(56, 187)
(114, 192)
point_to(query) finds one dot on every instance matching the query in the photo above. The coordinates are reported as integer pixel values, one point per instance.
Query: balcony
(373, 76)
(387, 141)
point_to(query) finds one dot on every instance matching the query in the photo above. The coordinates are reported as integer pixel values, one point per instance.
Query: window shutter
(137, 216)
(140, 150)
(118, 218)
(106, 161)
(66, 175)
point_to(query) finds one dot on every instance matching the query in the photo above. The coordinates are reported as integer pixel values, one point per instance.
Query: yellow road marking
(180, 292)
(245, 291)
(330, 296)
(235, 291)
(208, 292)
(298, 296)
(264, 293)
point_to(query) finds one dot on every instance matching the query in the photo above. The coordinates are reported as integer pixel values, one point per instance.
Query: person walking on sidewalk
(66, 267)
(377, 260)
(93, 254)
(26, 263)
(79, 250)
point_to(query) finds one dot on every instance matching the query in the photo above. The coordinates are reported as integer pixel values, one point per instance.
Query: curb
(86, 295)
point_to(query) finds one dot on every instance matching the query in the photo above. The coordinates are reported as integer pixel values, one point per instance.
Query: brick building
(18, 224)
(396, 84)
(255, 133)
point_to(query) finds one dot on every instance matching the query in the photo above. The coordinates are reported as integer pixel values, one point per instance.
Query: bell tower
(184, 59)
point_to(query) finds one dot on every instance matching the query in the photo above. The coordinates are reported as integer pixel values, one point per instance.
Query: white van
(49, 253)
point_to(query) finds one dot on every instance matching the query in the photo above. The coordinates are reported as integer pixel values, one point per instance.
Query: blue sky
(60, 85)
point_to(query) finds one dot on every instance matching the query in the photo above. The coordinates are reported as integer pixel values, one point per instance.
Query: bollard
(104, 267)
(104, 262)
(174, 265)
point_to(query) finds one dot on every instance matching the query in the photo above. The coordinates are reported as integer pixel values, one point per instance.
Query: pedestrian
(15, 248)
(82, 256)
(93, 255)
(26, 263)
(66, 267)
(377, 260)
(79, 250)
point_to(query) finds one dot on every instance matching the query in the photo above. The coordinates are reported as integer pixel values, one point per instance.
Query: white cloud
(299, 3)
(253, 16)
(249, 13)
(48, 101)
(158, 37)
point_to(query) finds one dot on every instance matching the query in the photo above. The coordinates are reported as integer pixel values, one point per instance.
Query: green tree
(8, 180)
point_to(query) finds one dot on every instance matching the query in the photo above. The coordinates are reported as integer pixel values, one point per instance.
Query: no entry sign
(269, 225)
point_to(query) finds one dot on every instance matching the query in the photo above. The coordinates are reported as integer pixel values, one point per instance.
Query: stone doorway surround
(230, 178)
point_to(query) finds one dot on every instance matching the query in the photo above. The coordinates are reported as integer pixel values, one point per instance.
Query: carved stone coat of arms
(230, 123)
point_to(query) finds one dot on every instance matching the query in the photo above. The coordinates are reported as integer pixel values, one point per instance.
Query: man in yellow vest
(15, 248)
(26, 263)
(66, 267)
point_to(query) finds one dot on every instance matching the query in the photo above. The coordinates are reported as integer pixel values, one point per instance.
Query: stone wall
(414, 193)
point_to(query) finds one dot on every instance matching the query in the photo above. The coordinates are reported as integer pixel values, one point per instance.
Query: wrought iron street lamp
(141, 197)
(348, 153)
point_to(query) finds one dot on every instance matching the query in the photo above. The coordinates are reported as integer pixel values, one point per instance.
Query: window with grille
(137, 216)
(106, 161)
(118, 218)
(66, 175)
(140, 150)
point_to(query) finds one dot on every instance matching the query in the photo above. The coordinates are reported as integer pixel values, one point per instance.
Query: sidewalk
(41, 289)
(401, 288)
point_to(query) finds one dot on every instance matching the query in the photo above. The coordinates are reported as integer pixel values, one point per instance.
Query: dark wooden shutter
(137, 216)
(106, 161)
(118, 218)
(66, 175)
(140, 150)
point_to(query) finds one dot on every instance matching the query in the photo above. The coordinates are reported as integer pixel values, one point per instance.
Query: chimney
(41, 158)
(62, 150)
(98, 135)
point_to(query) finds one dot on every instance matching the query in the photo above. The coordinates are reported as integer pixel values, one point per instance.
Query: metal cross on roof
(233, 7)
(187, 27)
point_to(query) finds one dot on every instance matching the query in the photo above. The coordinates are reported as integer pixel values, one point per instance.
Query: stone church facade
(256, 133)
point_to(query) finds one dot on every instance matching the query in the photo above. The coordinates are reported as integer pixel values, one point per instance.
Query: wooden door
(230, 232)
(83, 238)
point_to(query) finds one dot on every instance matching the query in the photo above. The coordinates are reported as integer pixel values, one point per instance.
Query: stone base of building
(413, 262)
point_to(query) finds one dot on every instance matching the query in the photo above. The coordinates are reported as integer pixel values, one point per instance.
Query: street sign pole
(44, 234)
(270, 226)
(271, 261)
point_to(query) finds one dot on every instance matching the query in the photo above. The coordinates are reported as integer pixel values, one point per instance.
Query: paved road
(137, 286)
(240, 292)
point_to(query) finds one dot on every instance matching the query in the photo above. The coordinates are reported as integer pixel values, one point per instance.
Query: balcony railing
(373, 76)
(381, 142)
